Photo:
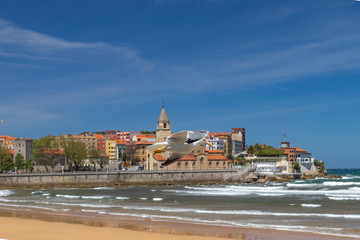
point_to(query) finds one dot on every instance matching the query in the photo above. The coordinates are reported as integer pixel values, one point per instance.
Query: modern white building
(217, 143)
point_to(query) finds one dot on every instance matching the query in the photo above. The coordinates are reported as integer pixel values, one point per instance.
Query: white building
(217, 143)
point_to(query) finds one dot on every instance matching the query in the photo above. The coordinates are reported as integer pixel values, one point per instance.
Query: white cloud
(22, 43)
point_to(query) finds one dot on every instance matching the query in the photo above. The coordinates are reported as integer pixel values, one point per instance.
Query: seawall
(98, 179)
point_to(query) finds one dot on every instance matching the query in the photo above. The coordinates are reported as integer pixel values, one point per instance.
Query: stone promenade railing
(83, 179)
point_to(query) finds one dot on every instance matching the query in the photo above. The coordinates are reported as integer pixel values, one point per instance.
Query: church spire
(163, 127)
(163, 117)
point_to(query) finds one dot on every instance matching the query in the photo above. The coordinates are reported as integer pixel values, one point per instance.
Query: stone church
(199, 159)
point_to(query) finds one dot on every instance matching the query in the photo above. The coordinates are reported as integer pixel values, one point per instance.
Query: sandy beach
(29, 225)
(30, 229)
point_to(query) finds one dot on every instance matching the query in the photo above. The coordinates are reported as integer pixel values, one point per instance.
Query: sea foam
(4, 193)
(310, 205)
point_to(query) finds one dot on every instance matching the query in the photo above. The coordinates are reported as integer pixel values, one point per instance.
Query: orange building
(293, 153)
(140, 152)
(8, 143)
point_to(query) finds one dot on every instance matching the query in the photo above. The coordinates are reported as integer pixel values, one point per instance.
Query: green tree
(19, 161)
(46, 152)
(320, 166)
(94, 156)
(75, 152)
(104, 160)
(3, 152)
(131, 153)
(148, 132)
(8, 163)
(250, 149)
(264, 150)
(123, 159)
(296, 166)
(240, 160)
(29, 165)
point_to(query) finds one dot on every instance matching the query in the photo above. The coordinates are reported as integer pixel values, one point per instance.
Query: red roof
(299, 150)
(217, 157)
(145, 135)
(99, 136)
(215, 151)
(144, 142)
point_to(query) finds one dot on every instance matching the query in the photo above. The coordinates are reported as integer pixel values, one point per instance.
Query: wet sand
(36, 225)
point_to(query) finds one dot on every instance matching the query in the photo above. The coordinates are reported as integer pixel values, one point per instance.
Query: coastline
(123, 179)
(39, 225)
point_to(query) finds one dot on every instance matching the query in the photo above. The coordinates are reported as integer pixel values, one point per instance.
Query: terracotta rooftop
(144, 142)
(300, 150)
(217, 157)
(215, 151)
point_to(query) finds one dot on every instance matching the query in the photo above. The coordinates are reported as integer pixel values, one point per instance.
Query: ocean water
(325, 206)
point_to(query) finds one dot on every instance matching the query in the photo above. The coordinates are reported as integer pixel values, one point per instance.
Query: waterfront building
(121, 147)
(111, 153)
(226, 137)
(8, 143)
(270, 165)
(238, 140)
(147, 137)
(24, 146)
(216, 142)
(140, 151)
(89, 139)
(299, 155)
(122, 135)
(234, 141)
(111, 150)
(199, 159)
(101, 143)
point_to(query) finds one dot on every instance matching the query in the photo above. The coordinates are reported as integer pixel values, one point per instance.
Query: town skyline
(70, 67)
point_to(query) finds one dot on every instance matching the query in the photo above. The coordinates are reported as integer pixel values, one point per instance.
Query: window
(164, 125)
(179, 164)
(209, 163)
(217, 163)
(193, 164)
(186, 164)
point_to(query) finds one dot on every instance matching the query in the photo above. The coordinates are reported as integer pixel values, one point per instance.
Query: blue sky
(74, 66)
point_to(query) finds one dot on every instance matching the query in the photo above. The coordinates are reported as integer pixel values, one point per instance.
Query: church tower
(163, 127)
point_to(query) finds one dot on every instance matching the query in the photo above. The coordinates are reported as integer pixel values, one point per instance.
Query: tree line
(51, 151)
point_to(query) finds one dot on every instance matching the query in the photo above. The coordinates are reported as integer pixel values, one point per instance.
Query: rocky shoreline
(253, 178)
(86, 180)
